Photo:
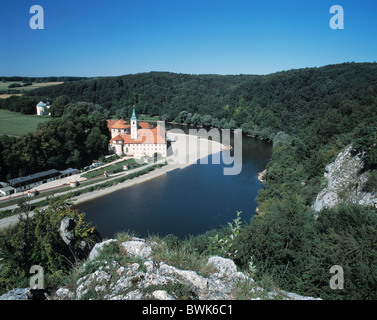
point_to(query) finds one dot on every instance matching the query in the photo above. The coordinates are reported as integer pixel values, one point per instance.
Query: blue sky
(116, 37)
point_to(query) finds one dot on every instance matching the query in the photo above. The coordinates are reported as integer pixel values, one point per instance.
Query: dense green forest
(310, 115)
(72, 140)
(155, 93)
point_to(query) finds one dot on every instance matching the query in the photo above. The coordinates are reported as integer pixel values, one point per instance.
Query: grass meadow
(17, 124)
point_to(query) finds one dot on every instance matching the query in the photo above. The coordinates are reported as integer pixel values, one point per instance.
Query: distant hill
(288, 100)
(155, 93)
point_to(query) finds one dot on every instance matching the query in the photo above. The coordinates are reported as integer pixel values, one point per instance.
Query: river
(183, 202)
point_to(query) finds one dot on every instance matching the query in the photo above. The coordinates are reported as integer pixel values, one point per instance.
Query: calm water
(183, 202)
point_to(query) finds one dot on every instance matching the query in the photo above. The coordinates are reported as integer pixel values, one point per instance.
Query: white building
(42, 108)
(137, 142)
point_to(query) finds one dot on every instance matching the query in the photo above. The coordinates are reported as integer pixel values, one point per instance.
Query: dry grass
(4, 96)
(4, 86)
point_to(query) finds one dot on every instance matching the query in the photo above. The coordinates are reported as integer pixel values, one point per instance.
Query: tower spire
(133, 125)
(133, 115)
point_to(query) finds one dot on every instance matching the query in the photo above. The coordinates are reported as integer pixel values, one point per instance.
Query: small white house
(42, 108)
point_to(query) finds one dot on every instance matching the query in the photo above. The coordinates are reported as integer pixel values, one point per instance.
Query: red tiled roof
(110, 122)
(150, 136)
(120, 124)
(117, 138)
(145, 125)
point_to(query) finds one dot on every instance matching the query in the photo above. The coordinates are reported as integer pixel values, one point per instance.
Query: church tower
(133, 126)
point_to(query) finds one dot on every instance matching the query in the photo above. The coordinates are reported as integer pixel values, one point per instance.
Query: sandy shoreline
(186, 150)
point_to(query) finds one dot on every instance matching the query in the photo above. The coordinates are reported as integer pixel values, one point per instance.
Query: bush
(14, 85)
(371, 184)
(297, 251)
(36, 241)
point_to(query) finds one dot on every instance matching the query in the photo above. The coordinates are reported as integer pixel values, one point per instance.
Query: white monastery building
(136, 139)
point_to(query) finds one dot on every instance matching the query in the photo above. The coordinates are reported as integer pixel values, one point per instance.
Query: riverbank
(184, 151)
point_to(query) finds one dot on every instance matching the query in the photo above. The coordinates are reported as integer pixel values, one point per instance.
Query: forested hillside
(286, 100)
(154, 93)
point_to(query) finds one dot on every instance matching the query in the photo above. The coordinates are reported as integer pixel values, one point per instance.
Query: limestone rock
(25, 294)
(120, 280)
(162, 295)
(188, 277)
(98, 248)
(64, 293)
(345, 182)
(16, 294)
(223, 266)
(133, 295)
(137, 249)
(94, 279)
(67, 231)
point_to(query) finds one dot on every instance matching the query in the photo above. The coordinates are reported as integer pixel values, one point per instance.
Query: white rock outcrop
(150, 279)
(137, 249)
(94, 253)
(345, 182)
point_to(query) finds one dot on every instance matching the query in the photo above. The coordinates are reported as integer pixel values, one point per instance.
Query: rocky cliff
(345, 182)
(133, 270)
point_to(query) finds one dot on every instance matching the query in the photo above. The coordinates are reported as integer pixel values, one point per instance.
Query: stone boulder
(138, 249)
(222, 265)
(162, 295)
(196, 282)
(25, 294)
(94, 253)
(67, 231)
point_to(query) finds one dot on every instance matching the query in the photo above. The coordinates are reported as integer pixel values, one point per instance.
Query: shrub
(224, 246)
(371, 184)
(35, 240)
(14, 85)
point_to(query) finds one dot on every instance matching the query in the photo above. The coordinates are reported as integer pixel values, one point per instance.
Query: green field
(6, 92)
(16, 124)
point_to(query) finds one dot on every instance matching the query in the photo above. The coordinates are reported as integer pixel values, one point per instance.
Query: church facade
(136, 139)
